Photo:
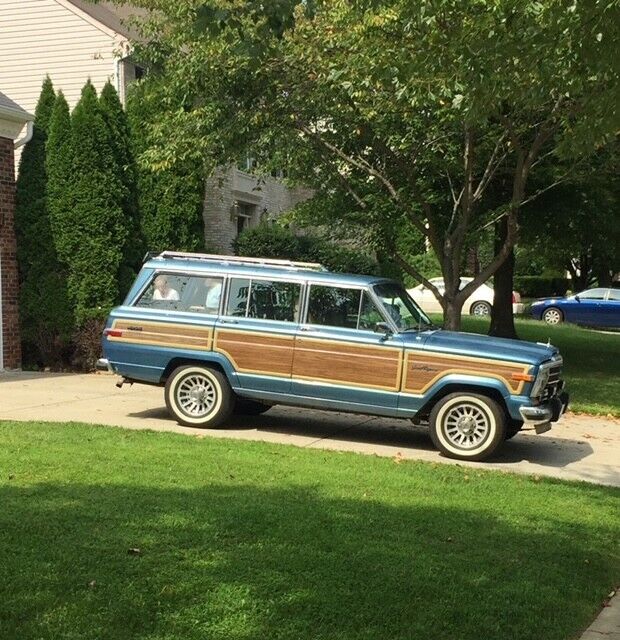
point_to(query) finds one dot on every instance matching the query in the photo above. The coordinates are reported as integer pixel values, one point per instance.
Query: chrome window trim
(361, 289)
(251, 279)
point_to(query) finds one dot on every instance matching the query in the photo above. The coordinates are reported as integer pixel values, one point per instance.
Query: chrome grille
(555, 383)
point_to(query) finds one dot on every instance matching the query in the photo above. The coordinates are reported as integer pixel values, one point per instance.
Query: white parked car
(478, 304)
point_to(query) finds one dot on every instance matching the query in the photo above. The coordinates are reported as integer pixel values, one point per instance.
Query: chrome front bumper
(103, 365)
(546, 413)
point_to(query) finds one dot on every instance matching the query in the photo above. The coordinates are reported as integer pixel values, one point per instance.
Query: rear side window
(614, 294)
(175, 292)
(264, 299)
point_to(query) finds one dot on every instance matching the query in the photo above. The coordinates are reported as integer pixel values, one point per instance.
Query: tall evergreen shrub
(125, 167)
(45, 312)
(86, 198)
(170, 200)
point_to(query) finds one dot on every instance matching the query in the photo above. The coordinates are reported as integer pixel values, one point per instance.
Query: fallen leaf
(92, 584)
(134, 551)
(398, 458)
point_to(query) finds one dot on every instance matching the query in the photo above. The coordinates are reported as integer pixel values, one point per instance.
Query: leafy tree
(86, 205)
(45, 314)
(275, 241)
(575, 228)
(125, 166)
(405, 110)
(170, 199)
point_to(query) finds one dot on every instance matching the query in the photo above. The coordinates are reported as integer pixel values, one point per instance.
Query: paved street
(578, 448)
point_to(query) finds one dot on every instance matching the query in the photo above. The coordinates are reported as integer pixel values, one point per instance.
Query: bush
(274, 241)
(44, 310)
(541, 286)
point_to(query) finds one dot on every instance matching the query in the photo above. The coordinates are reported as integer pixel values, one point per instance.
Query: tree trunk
(452, 315)
(502, 319)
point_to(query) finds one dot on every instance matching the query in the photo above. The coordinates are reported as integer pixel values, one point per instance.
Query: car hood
(474, 344)
(555, 300)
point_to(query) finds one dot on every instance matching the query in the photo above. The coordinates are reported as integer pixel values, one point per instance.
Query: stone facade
(8, 260)
(236, 200)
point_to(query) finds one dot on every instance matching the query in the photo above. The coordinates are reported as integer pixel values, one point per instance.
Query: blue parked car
(230, 334)
(598, 307)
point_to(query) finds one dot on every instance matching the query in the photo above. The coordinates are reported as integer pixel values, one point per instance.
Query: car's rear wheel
(467, 426)
(198, 396)
(480, 308)
(552, 315)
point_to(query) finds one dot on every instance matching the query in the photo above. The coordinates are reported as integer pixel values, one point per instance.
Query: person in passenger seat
(214, 292)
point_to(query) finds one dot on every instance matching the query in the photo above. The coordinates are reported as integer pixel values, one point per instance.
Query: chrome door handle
(229, 321)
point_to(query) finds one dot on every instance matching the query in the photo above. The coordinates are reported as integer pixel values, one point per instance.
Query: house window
(244, 215)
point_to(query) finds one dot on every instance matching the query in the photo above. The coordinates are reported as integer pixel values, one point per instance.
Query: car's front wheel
(480, 308)
(467, 426)
(198, 396)
(552, 316)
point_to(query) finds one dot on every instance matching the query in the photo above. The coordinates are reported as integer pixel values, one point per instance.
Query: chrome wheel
(196, 395)
(552, 316)
(481, 309)
(466, 425)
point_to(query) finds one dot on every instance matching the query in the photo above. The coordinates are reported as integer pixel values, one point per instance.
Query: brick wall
(267, 197)
(8, 259)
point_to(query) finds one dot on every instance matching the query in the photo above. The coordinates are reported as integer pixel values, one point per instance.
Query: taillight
(516, 297)
(113, 333)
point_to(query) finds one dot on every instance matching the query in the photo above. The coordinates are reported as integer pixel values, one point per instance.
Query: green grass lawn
(591, 360)
(243, 540)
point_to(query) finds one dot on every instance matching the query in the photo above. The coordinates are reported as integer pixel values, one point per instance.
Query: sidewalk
(607, 624)
(577, 448)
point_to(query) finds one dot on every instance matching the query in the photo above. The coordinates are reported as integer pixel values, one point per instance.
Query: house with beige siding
(72, 40)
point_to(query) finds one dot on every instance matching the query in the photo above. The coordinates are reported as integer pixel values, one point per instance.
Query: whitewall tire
(198, 396)
(467, 426)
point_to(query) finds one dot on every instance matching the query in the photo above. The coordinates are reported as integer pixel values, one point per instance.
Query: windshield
(401, 308)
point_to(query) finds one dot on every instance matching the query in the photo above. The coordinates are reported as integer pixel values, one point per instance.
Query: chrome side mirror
(384, 328)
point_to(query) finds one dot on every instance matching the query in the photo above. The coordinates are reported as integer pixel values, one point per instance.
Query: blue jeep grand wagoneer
(225, 334)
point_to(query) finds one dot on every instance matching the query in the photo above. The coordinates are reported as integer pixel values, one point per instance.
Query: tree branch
(412, 271)
(491, 167)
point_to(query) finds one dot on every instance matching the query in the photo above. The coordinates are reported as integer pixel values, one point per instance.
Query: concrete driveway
(578, 448)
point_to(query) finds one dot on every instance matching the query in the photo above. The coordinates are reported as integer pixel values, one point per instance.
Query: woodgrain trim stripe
(256, 352)
(423, 369)
(163, 334)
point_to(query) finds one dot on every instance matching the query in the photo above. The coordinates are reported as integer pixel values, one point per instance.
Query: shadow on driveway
(385, 436)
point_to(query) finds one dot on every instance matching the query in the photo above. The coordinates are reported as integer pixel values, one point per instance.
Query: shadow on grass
(240, 563)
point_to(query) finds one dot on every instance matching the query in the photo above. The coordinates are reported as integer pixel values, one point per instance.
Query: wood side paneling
(423, 369)
(253, 352)
(352, 364)
(165, 334)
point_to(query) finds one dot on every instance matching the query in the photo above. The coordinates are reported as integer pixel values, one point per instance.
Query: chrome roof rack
(241, 260)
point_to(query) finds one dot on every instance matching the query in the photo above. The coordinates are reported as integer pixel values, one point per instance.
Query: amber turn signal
(524, 377)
